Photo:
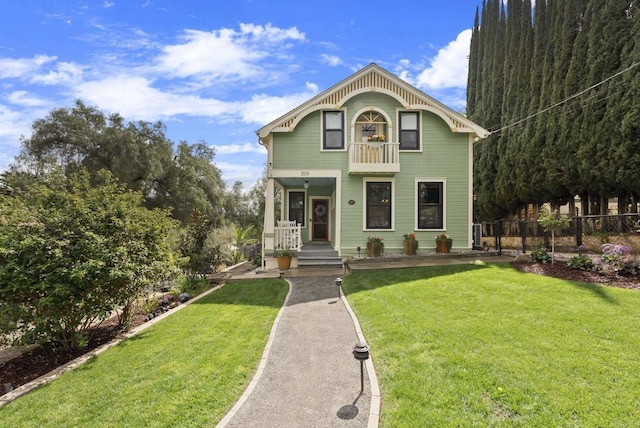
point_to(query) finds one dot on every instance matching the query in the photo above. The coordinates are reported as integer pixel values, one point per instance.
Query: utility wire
(563, 101)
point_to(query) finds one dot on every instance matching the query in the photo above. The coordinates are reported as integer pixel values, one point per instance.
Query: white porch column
(269, 207)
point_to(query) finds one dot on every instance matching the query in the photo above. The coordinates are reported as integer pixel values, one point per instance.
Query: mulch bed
(561, 270)
(42, 359)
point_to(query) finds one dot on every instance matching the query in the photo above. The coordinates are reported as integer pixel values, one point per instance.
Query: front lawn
(490, 346)
(187, 370)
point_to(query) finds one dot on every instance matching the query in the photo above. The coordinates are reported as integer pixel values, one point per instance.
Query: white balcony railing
(287, 236)
(374, 157)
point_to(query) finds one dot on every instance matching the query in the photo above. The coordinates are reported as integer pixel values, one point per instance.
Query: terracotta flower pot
(410, 247)
(443, 246)
(284, 262)
(374, 249)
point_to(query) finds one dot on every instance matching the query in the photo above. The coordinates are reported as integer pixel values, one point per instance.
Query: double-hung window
(409, 135)
(296, 207)
(378, 208)
(333, 130)
(430, 205)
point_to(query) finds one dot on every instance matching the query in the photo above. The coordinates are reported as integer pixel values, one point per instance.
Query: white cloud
(135, 97)
(23, 98)
(18, 68)
(12, 125)
(449, 68)
(231, 149)
(332, 60)
(225, 53)
(249, 174)
(262, 109)
(108, 4)
(66, 73)
(271, 33)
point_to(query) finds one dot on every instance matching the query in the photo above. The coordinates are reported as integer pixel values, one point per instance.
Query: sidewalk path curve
(308, 376)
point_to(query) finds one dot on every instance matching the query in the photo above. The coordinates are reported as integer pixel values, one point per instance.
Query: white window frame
(399, 132)
(306, 208)
(323, 147)
(416, 191)
(392, 181)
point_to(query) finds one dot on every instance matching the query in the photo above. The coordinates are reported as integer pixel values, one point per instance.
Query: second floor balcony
(374, 158)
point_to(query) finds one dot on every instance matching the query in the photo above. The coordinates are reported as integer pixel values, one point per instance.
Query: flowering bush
(580, 249)
(615, 260)
(443, 237)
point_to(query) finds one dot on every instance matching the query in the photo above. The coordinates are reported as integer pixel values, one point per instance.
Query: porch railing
(287, 236)
(374, 157)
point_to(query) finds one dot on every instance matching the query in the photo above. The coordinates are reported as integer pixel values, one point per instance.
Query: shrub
(616, 260)
(257, 260)
(539, 256)
(72, 252)
(582, 262)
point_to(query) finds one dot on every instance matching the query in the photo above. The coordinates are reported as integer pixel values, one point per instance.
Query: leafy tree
(72, 252)
(551, 221)
(200, 246)
(138, 154)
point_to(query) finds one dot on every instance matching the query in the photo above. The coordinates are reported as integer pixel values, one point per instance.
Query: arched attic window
(371, 126)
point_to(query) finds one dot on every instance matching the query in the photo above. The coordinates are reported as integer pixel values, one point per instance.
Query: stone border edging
(55, 373)
(263, 362)
(376, 397)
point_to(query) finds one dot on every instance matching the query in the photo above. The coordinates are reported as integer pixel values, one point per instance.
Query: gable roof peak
(372, 78)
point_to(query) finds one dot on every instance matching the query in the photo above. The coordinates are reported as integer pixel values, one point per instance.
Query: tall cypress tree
(624, 107)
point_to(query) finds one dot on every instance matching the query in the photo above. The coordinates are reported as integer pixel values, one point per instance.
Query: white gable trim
(373, 79)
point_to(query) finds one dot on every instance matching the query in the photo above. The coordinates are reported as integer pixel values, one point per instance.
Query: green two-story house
(370, 156)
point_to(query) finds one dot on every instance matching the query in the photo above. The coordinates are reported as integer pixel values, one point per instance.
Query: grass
(187, 370)
(489, 346)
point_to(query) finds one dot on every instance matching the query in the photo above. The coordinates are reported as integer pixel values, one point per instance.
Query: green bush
(539, 256)
(582, 262)
(257, 260)
(72, 252)
(193, 285)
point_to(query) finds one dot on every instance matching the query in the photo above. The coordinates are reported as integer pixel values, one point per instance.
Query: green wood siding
(444, 155)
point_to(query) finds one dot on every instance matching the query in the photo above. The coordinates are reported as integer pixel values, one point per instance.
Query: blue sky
(216, 71)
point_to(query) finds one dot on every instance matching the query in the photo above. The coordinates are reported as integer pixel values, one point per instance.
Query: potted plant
(284, 258)
(443, 243)
(410, 244)
(375, 246)
(376, 138)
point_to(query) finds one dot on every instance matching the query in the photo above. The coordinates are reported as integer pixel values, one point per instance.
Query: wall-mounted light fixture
(306, 184)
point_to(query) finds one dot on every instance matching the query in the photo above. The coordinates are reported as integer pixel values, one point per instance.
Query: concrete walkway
(308, 376)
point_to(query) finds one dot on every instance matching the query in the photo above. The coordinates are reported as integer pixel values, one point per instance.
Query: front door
(320, 220)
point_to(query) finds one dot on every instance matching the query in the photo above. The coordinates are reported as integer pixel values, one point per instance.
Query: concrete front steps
(317, 255)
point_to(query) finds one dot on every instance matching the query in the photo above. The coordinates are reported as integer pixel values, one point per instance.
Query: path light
(361, 353)
(358, 250)
(338, 284)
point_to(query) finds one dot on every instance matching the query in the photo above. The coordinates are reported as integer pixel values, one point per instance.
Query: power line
(563, 101)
